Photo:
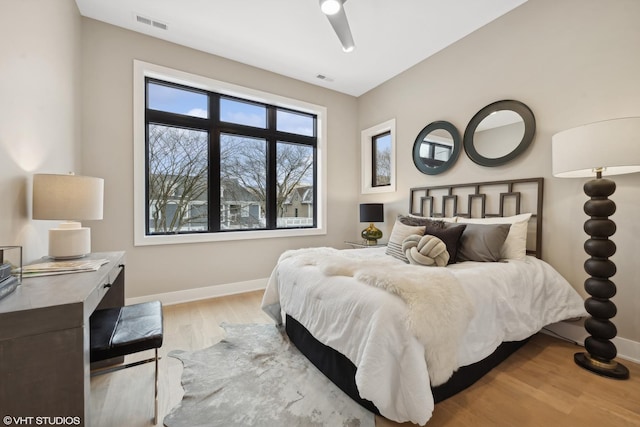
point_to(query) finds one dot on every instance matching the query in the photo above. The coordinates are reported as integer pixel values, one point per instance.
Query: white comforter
(512, 300)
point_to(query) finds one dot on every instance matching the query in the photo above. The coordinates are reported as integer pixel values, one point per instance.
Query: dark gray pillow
(482, 242)
(420, 221)
(450, 235)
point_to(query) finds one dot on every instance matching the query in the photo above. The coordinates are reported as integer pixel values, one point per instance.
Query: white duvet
(512, 300)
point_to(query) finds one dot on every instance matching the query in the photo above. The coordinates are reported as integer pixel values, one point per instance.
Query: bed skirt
(341, 371)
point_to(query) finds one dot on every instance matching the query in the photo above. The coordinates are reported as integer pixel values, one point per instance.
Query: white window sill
(226, 236)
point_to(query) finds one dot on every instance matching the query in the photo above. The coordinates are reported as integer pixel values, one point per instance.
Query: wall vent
(151, 22)
(160, 25)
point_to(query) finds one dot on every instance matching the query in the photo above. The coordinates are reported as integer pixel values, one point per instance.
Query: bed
(398, 335)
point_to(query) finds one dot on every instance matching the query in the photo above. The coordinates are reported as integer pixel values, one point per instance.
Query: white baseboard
(627, 349)
(188, 295)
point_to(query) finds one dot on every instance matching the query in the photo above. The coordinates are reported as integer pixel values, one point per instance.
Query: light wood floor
(537, 386)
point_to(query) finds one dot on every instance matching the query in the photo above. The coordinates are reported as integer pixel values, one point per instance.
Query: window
(378, 158)
(219, 164)
(381, 160)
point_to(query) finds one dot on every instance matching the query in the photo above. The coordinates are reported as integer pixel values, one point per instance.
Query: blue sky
(174, 100)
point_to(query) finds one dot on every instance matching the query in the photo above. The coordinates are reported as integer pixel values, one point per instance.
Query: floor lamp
(610, 147)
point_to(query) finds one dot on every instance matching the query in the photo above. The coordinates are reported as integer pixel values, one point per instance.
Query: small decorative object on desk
(62, 267)
(10, 269)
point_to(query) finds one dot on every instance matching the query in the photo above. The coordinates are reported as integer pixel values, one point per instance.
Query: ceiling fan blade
(341, 27)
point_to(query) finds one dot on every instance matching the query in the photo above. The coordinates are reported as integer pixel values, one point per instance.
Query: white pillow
(398, 234)
(515, 246)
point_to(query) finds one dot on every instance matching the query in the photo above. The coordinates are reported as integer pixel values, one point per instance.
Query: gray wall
(572, 62)
(39, 110)
(107, 132)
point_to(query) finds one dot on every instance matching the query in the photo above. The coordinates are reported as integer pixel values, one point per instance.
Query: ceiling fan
(338, 19)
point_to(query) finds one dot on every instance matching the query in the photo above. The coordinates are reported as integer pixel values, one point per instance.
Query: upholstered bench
(120, 331)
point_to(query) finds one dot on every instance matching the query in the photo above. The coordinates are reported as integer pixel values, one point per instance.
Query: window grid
(215, 128)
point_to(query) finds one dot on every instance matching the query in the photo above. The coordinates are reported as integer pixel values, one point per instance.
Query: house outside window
(216, 163)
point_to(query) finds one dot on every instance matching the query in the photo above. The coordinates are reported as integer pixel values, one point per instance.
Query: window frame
(367, 158)
(374, 159)
(142, 71)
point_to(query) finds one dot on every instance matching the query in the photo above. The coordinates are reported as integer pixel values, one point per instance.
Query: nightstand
(363, 244)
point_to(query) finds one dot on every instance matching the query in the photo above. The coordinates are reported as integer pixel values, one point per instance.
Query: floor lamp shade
(610, 147)
(371, 212)
(70, 198)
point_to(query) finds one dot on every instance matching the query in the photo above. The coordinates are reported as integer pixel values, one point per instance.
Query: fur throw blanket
(439, 310)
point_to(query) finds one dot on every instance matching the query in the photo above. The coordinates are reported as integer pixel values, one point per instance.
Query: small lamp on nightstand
(610, 147)
(371, 212)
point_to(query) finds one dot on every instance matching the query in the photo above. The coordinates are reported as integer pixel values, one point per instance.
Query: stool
(120, 331)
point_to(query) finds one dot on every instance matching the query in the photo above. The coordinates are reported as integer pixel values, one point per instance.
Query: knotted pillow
(425, 250)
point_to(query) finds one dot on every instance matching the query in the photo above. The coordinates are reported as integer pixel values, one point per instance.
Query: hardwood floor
(537, 386)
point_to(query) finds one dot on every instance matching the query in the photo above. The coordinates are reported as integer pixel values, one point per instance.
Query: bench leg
(155, 411)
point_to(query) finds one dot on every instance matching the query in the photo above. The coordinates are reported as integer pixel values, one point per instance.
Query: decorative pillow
(398, 234)
(425, 250)
(416, 221)
(482, 242)
(450, 235)
(433, 218)
(515, 246)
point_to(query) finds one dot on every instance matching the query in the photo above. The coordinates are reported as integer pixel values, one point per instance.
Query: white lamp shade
(610, 145)
(67, 197)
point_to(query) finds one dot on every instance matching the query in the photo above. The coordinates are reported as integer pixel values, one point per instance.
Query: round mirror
(436, 148)
(499, 133)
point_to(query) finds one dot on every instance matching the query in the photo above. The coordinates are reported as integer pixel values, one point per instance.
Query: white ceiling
(294, 38)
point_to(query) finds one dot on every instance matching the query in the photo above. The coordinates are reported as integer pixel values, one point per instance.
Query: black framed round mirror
(436, 147)
(499, 133)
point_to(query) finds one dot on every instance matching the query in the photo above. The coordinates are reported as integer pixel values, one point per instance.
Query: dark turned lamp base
(600, 350)
(610, 369)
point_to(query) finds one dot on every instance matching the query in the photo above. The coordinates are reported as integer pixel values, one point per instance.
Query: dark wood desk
(44, 340)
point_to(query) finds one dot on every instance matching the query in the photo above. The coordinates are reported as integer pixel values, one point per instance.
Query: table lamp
(70, 198)
(610, 147)
(371, 212)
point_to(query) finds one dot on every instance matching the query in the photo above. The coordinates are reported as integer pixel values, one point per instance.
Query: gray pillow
(417, 221)
(482, 242)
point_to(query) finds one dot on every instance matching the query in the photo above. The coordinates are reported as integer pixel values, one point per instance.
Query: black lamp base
(601, 352)
(609, 369)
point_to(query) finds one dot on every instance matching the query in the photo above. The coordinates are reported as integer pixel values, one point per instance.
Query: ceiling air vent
(151, 22)
(323, 77)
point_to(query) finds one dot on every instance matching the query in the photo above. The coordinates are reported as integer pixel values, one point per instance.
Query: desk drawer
(111, 291)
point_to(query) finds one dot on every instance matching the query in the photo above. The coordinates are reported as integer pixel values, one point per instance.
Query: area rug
(256, 377)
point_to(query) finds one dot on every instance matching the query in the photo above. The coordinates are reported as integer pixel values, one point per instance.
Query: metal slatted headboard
(485, 200)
